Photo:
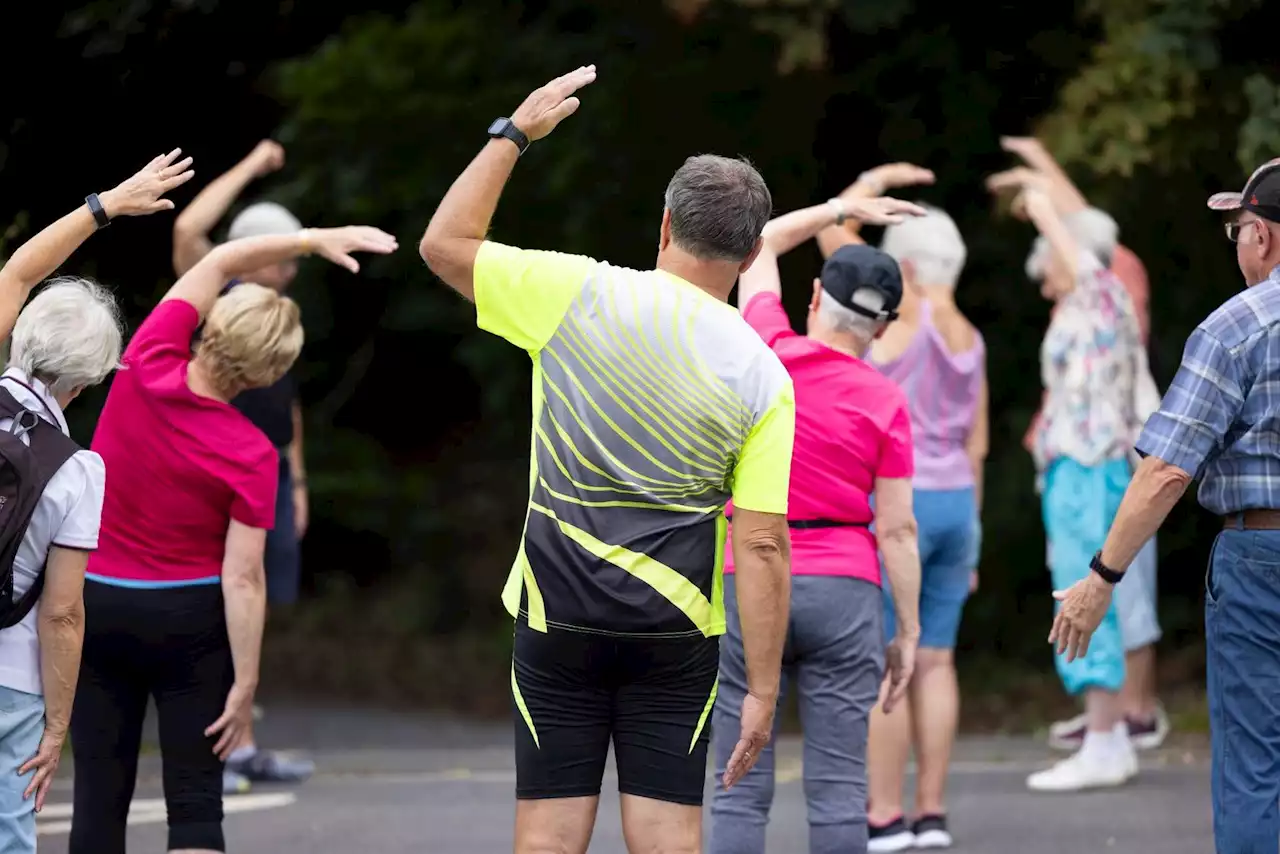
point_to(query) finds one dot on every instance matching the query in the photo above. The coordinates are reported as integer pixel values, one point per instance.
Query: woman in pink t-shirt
(851, 467)
(174, 598)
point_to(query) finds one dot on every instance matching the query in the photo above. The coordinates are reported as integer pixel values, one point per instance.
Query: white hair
(1095, 232)
(838, 318)
(69, 336)
(932, 244)
(263, 218)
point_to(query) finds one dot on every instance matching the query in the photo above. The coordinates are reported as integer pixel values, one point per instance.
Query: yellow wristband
(305, 237)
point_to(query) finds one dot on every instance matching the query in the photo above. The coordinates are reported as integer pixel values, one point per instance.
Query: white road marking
(56, 818)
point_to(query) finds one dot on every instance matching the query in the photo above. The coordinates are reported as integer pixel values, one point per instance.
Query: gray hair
(1095, 232)
(838, 318)
(932, 244)
(263, 218)
(69, 336)
(719, 207)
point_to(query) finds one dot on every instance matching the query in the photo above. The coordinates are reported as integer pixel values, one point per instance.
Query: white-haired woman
(175, 595)
(275, 410)
(938, 359)
(65, 340)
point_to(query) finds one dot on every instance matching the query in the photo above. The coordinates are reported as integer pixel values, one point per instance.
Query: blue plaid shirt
(1220, 419)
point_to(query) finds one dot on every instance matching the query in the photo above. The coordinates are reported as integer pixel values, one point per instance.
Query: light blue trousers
(21, 727)
(1079, 504)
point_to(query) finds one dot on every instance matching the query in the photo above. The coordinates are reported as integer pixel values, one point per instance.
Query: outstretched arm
(454, 235)
(788, 231)
(40, 256)
(1044, 215)
(872, 183)
(203, 282)
(191, 228)
(1066, 196)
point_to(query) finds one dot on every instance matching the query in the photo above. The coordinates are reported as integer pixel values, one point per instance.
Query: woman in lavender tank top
(938, 359)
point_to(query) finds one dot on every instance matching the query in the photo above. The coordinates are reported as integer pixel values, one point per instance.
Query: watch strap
(837, 204)
(1108, 575)
(98, 211)
(504, 128)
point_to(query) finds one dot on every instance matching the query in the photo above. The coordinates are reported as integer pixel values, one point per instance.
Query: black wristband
(98, 211)
(1108, 575)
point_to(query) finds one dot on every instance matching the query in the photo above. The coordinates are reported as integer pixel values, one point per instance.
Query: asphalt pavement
(389, 783)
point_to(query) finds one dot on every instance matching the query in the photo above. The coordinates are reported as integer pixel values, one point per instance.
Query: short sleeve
(765, 314)
(897, 456)
(1203, 401)
(163, 341)
(254, 503)
(523, 294)
(763, 473)
(80, 525)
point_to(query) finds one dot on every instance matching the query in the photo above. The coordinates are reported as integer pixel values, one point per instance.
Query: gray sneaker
(265, 766)
(234, 784)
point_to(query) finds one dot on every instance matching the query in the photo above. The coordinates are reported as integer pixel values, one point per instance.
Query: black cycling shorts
(574, 692)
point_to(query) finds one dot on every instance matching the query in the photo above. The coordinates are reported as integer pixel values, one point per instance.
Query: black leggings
(170, 644)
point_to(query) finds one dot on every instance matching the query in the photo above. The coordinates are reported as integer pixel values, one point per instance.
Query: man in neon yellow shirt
(654, 405)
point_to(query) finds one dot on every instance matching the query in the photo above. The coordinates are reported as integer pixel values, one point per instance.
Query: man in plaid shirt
(1218, 423)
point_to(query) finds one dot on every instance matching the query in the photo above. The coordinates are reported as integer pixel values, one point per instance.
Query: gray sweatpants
(835, 655)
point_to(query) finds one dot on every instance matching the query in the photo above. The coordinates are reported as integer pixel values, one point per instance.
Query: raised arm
(788, 231)
(40, 256)
(1066, 196)
(872, 183)
(453, 237)
(191, 228)
(202, 284)
(1044, 215)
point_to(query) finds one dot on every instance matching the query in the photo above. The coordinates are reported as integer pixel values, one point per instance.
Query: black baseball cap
(1261, 194)
(855, 267)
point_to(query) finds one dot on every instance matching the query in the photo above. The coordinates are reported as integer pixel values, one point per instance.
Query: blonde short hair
(252, 337)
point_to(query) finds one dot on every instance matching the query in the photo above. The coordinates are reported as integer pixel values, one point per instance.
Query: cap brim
(1226, 201)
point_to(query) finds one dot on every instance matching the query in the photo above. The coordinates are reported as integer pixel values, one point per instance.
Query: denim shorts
(948, 542)
(21, 728)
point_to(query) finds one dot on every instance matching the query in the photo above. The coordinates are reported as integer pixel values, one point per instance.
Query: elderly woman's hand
(892, 175)
(337, 244)
(141, 194)
(1018, 178)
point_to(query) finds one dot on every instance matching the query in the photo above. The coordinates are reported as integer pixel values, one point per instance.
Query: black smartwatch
(504, 129)
(1108, 575)
(95, 208)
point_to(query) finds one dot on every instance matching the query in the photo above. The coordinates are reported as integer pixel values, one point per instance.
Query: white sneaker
(1088, 768)
(1068, 735)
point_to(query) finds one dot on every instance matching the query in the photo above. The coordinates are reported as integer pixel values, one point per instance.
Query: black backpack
(24, 473)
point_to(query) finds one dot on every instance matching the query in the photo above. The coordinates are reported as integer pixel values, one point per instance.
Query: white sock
(242, 753)
(1100, 744)
(1120, 735)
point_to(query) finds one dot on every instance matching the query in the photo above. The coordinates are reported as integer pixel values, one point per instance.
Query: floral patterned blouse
(1094, 369)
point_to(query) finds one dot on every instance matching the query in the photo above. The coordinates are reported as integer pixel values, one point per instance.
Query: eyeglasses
(1233, 229)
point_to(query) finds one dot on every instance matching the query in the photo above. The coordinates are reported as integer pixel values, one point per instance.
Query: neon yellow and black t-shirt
(653, 404)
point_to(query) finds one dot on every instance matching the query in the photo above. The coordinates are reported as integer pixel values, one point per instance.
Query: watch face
(498, 126)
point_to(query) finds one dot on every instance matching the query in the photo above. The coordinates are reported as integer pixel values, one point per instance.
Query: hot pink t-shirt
(852, 426)
(181, 466)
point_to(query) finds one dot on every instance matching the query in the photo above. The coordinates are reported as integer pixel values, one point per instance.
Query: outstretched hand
(337, 244)
(141, 194)
(551, 104)
(881, 210)
(266, 157)
(890, 176)
(1018, 178)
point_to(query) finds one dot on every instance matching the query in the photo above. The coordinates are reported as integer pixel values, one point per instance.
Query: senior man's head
(1253, 222)
(855, 297)
(69, 337)
(929, 249)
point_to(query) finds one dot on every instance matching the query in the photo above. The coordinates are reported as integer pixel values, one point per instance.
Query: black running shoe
(930, 831)
(894, 836)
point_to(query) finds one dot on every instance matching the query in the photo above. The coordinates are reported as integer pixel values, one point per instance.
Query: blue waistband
(138, 584)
